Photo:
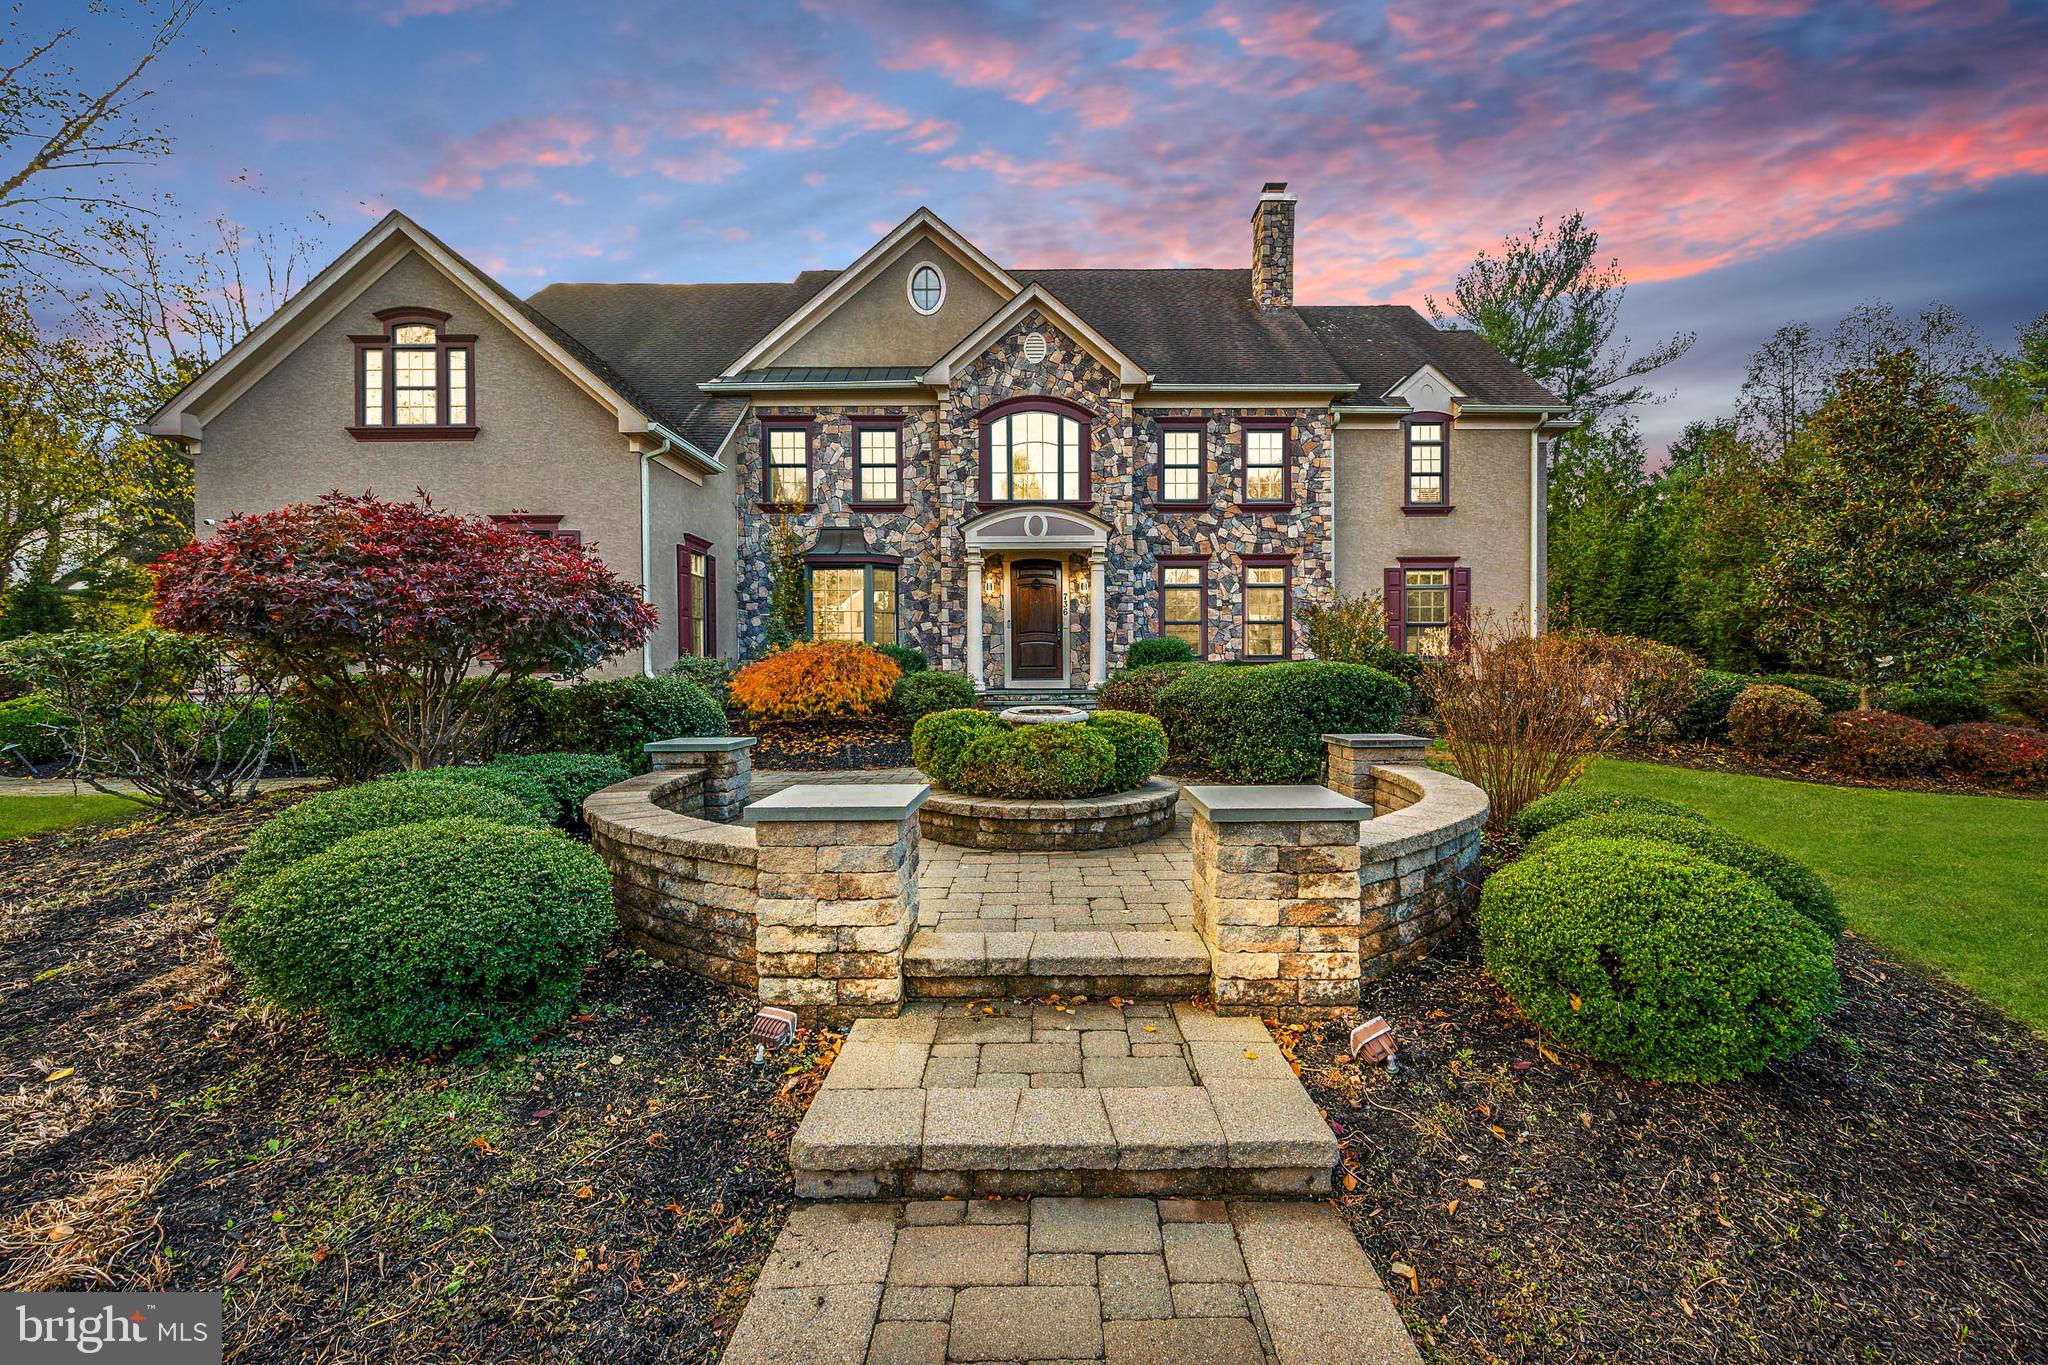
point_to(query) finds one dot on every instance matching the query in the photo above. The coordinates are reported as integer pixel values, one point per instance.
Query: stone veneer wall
(1419, 863)
(941, 472)
(683, 887)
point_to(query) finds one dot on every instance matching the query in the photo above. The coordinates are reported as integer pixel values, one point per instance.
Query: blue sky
(1749, 161)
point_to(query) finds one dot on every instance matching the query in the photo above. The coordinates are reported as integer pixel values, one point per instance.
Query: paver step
(996, 699)
(1016, 1097)
(1120, 1281)
(1137, 964)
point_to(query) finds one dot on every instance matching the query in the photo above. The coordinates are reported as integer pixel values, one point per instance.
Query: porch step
(1029, 1098)
(996, 699)
(1098, 963)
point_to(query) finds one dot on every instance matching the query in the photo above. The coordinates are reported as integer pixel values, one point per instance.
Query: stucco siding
(709, 512)
(1487, 530)
(875, 325)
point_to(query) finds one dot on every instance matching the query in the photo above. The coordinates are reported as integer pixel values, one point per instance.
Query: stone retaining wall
(1419, 863)
(1115, 821)
(683, 886)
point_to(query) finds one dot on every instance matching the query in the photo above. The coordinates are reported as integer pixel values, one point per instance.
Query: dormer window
(415, 380)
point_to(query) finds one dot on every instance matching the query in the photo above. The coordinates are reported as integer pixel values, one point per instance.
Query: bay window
(853, 603)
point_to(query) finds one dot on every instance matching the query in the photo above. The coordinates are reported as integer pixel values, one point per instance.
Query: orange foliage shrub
(810, 682)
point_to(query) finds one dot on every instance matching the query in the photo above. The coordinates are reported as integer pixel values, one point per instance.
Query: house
(1017, 471)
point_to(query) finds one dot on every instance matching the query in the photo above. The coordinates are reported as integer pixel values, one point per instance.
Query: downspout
(647, 458)
(1537, 519)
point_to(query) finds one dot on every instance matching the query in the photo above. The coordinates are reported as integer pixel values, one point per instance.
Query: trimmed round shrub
(1794, 882)
(570, 778)
(1266, 722)
(1144, 653)
(464, 935)
(921, 694)
(1881, 744)
(1771, 720)
(1140, 744)
(1655, 958)
(35, 725)
(938, 741)
(1832, 693)
(1999, 755)
(709, 672)
(1136, 689)
(621, 716)
(908, 659)
(522, 787)
(327, 819)
(1048, 762)
(2023, 691)
(1938, 705)
(815, 682)
(1706, 715)
(1546, 813)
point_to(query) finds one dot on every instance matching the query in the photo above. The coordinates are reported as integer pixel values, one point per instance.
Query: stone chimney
(1273, 248)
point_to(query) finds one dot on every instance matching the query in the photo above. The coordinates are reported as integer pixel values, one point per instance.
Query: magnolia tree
(409, 619)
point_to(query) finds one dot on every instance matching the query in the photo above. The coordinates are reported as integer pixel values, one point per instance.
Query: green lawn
(1958, 883)
(34, 814)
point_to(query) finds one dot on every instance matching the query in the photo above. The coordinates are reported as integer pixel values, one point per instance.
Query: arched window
(415, 379)
(1035, 450)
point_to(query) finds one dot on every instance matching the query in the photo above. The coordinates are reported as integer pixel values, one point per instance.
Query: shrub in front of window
(1583, 937)
(1348, 629)
(937, 741)
(709, 672)
(35, 727)
(1140, 744)
(571, 778)
(327, 819)
(621, 716)
(1791, 879)
(1880, 744)
(908, 659)
(1937, 704)
(1832, 693)
(1579, 803)
(1999, 755)
(528, 790)
(1135, 689)
(1772, 721)
(1265, 722)
(918, 695)
(816, 682)
(1144, 653)
(1037, 762)
(459, 935)
(1706, 715)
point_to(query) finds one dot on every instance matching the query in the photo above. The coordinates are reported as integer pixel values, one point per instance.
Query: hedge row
(972, 751)
(1258, 722)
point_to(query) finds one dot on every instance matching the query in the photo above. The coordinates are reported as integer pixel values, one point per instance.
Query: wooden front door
(1035, 643)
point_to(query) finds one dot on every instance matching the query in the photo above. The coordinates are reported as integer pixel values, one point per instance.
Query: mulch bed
(608, 1195)
(1722, 758)
(1882, 1196)
(829, 746)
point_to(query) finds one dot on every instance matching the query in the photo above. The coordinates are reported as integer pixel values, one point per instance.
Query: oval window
(927, 289)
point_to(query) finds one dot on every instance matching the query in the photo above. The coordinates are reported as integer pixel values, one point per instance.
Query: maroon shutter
(1395, 597)
(1461, 605)
(710, 607)
(685, 627)
(1087, 461)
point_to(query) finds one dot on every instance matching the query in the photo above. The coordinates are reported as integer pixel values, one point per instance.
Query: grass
(37, 814)
(1956, 883)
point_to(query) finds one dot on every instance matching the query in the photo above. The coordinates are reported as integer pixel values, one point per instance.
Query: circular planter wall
(1115, 821)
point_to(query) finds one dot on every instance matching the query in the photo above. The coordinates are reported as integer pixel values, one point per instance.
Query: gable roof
(1036, 295)
(1379, 345)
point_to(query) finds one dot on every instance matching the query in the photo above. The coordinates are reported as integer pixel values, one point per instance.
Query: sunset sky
(1749, 161)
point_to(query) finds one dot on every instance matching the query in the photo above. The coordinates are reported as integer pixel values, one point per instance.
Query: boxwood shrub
(1706, 716)
(1832, 693)
(1795, 882)
(1652, 957)
(522, 787)
(1160, 651)
(570, 778)
(464, 934)
(1265, 722)
(1037, 762)
(1881, 744)
(908, 659)
(621, 716)
(920, 694)
(938, 741)
(1772, 720)
(1577, 803)
(1140, 744)
(1938, 704)
(327, 819)
(1136, 689)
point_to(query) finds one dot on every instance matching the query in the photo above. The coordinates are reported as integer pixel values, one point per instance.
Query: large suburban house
(1018, 471)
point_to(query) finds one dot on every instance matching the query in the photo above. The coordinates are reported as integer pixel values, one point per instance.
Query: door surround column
(974, 672)
(1098, 616)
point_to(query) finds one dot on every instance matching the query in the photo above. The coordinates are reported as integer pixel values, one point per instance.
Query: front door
(1035, 645)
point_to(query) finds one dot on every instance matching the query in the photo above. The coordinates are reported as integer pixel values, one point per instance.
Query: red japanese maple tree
(409, 618)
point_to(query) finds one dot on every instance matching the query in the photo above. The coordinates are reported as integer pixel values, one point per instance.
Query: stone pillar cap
(702, 744)
(1387, 741)
(1260, 805)
(842, 801)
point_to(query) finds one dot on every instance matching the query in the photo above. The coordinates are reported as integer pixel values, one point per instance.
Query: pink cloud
(396, 12)
(514, 147)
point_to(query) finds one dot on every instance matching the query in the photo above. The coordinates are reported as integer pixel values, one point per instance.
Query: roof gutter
(1252, 388)
(772, 385)
(670, 441)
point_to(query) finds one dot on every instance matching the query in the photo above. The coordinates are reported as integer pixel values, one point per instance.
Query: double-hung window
(1266, 481)
(415, 380)
(1428, 464)
(696, 584)
(1268, 608)
(1429, 605)
(786, 464)
(878, 463)
(1183, 603)
(1181, 471)
(853, 603)
(1035, 451)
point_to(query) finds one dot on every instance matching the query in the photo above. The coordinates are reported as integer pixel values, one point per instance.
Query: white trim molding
(1129, 373)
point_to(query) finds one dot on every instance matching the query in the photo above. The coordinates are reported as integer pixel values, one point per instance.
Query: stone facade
(941, 451)
(1273, 250)
(1278, 904)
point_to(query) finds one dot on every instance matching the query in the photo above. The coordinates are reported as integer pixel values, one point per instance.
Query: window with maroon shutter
(696, 628)
(1429, 605)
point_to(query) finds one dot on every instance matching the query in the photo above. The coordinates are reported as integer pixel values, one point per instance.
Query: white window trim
(910, 288)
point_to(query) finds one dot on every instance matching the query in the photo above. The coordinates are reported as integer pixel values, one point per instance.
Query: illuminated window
(1180, 464)
(1268, 594)
(414, 375)
(1183, 614)
(1265, 465)
(787, 472)
(877, 461)
(854, 603)
(696, 581)
(1426, 611)
(1035, 455)
(1428, 467)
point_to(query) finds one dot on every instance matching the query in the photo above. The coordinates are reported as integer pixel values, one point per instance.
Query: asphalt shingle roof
(1379, 345)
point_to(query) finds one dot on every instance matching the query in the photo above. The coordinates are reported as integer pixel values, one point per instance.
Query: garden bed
(606, 1194)
(1879, 1196)
(1723, 758)
(827, 746)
